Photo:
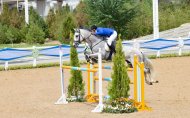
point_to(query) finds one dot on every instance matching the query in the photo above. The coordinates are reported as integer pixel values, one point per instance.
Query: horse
(95, 42)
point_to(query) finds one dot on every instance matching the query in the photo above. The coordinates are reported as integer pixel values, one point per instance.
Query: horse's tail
(149, 70)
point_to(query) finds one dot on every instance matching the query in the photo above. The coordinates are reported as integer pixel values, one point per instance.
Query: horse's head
(77, 38)
(81, 35)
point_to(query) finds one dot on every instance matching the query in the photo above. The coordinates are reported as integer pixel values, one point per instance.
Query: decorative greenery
(119, 86)
(121, 105)
(76, 84)
(35, 34)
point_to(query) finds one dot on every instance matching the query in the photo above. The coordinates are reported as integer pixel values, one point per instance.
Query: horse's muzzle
(75, 44)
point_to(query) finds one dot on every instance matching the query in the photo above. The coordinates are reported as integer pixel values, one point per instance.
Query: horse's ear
(73, 30)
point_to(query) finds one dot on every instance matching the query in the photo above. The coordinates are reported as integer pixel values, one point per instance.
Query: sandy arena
(31, 93)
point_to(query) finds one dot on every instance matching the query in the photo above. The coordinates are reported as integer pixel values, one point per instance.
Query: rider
(111, 35)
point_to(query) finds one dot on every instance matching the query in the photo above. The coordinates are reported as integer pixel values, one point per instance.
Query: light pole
(155, 19)
(17, 5)
(1, 6)
(26, 12)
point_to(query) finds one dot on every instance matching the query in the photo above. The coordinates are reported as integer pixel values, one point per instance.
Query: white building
(42, 6)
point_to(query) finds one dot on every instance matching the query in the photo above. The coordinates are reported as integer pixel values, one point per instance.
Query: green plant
(76, 84)
(119, 86)
(120, 105)
(68, 26)
(36, 19)
(35, 34)
(111, 13)
(3, 37)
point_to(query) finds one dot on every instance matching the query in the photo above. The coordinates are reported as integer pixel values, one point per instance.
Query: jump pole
(139, 81)
(100, 105)
(62, 99)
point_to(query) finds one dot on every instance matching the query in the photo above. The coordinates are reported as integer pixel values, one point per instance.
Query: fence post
(180, 45)
(136, 44)
(6, 65)
(158, 53)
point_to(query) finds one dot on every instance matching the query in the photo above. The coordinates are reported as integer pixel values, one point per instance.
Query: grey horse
(95, 42)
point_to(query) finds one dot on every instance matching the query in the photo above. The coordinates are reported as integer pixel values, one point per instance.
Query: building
(41, 6)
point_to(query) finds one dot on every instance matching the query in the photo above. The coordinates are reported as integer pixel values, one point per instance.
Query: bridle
(81, 37)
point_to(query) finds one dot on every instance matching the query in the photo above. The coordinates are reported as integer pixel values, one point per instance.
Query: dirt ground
(31, 93)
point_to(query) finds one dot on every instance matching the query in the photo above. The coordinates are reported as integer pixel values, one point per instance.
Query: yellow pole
(88, 78)
(142, 85)
(135, 77)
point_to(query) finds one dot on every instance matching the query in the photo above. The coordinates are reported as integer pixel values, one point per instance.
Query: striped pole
(139, 81)
(109, 68)
(135, 78)
(88, 80)
(79, 68)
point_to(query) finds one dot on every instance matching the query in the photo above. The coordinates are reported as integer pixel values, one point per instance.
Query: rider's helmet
(93, 27)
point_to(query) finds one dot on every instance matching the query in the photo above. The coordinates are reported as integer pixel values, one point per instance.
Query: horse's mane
(97, 36)
(84, 28)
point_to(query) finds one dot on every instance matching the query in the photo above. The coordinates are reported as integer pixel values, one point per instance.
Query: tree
(35, 18)
(5, 16)
(119, 86)
(16, 18)
(50, 21)
(35, 34)
(3, 37)
(68, 26)
(137, 27)
(76, 85)
(111, 13)
(62, 25)
(80, 15)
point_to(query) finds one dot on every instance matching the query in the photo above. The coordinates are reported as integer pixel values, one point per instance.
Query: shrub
(119, 86)
(76, 85)
(35, 35)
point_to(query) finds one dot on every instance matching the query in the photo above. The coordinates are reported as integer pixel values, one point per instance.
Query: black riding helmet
(93, 27)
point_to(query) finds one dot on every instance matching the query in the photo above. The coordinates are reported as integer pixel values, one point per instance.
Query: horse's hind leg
(148, 79)
(129, 64)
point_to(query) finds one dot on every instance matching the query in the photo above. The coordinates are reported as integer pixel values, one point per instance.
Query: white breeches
(112, 38)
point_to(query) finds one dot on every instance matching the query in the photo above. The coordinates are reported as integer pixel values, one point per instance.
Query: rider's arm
(100, 32)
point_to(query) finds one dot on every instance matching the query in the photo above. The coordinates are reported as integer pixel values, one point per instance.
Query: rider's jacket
(104, 31)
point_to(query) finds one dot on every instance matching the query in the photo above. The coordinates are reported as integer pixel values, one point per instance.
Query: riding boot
(112, 47)
(112, 50)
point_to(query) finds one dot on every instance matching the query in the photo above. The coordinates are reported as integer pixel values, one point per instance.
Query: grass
(23, 45)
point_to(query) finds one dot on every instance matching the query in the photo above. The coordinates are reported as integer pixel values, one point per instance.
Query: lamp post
(17, 5)
(1, 6)
(26, 12)
(155, 19)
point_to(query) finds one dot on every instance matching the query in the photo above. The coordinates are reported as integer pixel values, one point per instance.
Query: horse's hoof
(156, 81)
(150, 83)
